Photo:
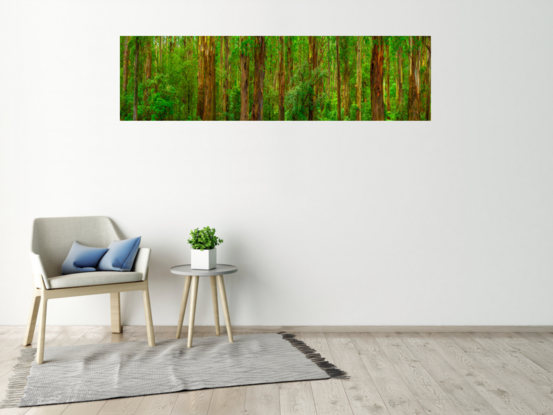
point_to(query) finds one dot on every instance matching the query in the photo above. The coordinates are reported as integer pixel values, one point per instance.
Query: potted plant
(203, 243)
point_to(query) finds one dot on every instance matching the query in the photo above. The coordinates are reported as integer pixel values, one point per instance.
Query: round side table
(193, 277)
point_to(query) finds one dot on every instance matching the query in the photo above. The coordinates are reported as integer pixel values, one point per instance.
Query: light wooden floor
(391, 373)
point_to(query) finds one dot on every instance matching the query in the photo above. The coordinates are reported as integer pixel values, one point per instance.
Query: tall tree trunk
(359, 79)
(346, 99)
(427, 79)
(399, 83)
(281, 81)
(329, 73)
(290, 58)
(184, 48)
(259, 77)
(122, 106)
(226, 81)
(147, 68)
(388, 105)
(126, 64)
(338, 86)
(213, 80)
(160, 61)
(244, 79)
(414, 103)
(201, 78)
(136, 56)
(377, 93)
(313, 61)
(209, 77)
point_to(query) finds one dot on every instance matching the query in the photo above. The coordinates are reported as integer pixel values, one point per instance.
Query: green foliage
(204, 238)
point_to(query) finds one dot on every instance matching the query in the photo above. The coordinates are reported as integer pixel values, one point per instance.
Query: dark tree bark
(377, 67)
(346, 99)
(259, 77)
(208, 79)
(338, 86)
(329, 83)
(147, 68)
(290, 58)
(213, 73)
(313, 61)
(244, 79)
(427, 78)
(359, 79)
(399, 83)
(414, 102)
(136, 56)
(201, 78)
(387, 51)
(160, 61)
(126, 64)
(281, 81)
(226, 82)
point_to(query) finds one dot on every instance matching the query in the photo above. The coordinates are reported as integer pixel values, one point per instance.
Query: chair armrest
(142, 261)
(39, 274)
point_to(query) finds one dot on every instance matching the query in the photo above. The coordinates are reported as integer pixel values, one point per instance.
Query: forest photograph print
(275, 78)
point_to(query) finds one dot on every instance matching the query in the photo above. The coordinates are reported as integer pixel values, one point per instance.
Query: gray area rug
(106, 371)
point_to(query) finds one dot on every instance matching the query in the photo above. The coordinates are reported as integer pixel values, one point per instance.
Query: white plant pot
(206, 259)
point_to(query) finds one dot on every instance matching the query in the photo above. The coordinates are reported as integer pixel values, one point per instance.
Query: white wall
(447, 222)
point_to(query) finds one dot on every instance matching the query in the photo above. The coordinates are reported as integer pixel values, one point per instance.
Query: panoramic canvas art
(275, 78)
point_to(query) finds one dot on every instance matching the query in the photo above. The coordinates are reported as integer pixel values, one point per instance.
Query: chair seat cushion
(93, 278)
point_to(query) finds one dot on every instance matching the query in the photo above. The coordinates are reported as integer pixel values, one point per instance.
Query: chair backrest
(53, 237)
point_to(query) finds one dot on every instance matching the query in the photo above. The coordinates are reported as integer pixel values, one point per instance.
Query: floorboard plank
(228, 401)
(157, 404)
(346, 356)
(193, 402)
(296, 398)
(263, 399)
(413, 373)
(394, 391)
(330, 396)
(467, 399)
(364, 398)
(487, 384)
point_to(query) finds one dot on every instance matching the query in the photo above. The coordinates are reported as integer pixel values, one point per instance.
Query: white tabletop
(221, 269)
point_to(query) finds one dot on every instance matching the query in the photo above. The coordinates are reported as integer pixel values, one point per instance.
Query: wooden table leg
(215, 304)
(183, 304)
(194, 296)
(223, 293)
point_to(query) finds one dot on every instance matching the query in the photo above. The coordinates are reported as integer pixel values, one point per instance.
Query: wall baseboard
(335, 329)
(374, 329)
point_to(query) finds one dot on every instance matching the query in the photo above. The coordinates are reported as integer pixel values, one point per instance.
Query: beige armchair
(51, 242)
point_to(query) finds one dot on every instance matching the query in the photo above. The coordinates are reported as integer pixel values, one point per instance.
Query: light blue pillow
(82, 258)
(120, 255)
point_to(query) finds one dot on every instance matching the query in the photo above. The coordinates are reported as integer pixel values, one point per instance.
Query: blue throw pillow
(120, 255)
(82, 258)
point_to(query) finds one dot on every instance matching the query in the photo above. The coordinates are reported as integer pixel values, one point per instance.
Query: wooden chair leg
(148, 314)
(193, 298)
(42, 330)
(183, 304)
(31, 324)
(215, 304)
(223, 293)
(115, 305)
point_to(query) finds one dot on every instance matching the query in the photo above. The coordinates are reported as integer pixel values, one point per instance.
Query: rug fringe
(18, 381)
(315, 357)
